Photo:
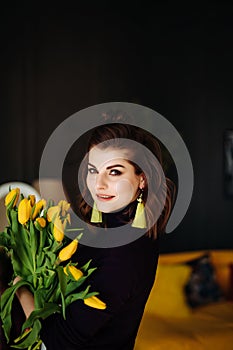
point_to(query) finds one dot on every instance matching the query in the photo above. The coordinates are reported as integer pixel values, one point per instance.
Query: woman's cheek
(125, 191)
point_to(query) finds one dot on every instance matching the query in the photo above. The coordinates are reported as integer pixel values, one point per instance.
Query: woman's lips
(104, 197)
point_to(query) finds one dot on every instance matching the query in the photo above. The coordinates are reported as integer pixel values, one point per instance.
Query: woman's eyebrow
(115, 166)
(110, 166)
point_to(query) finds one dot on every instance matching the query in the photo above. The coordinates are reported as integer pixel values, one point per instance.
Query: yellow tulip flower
(32, 199)
(41, 222)
(58, 231)
(53, 212)
(76, 273)
(64, 205)
(39, 205)
(68, 251)
(95, 302)
(24, 211)
(66, 220)
(13, 193)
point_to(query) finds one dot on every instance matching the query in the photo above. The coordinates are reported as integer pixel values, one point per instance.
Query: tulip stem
(41, 243)
(34, 272)
(74, 229)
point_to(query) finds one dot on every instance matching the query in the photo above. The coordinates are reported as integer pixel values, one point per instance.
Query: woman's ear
(142, 182)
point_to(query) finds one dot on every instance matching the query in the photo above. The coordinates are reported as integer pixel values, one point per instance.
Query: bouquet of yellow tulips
(41, 255)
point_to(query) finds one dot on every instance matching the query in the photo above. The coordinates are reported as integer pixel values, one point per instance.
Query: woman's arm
(26, 298)
(123, 278)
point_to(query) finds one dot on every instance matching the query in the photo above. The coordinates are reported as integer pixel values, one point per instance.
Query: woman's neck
(120, 217)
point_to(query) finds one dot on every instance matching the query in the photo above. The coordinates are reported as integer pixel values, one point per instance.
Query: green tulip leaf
(14, 222)
(63, 286)
(81, 295)
(47, 310)
(33, 239)
(31, 338)
(85, 267)
(6, 305)
(72, 285)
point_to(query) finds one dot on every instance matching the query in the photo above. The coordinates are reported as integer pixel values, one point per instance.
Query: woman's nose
(100, 181)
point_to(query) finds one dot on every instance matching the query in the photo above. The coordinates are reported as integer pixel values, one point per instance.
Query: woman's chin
(112, 210)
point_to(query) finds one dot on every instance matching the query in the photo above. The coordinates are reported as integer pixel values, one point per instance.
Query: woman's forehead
(107, 156)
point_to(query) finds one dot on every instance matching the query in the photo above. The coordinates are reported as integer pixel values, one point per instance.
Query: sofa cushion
(222, 261)
(167, 297)
(209, 327)
(221, 257)
(223, 278)
(230, 295)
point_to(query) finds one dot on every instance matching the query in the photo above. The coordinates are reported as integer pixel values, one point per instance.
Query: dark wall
(177, 61)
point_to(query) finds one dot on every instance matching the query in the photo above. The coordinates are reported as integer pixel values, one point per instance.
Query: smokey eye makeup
(115, 172)
(92, 171)
(110, 169)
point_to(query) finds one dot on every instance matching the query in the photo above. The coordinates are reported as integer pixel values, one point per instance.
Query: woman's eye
(92, 171)
(115, 172)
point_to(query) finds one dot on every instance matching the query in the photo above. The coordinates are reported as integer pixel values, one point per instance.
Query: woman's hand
(17, 279)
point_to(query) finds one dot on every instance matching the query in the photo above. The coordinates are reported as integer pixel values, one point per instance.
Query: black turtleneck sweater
(124, 278)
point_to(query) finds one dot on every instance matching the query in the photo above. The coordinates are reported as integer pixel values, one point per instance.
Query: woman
(122, 189)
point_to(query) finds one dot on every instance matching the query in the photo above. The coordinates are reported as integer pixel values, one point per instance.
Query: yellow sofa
(169, 323)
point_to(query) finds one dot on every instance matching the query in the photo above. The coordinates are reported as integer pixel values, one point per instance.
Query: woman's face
(111, 179)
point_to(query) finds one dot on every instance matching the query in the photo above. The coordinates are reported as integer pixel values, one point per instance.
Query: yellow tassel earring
(139, 220)
(96, 215)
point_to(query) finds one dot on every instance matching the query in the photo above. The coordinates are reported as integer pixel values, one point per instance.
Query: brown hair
(161, 196)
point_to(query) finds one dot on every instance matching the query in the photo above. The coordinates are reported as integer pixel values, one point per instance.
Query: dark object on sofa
(202, 287)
